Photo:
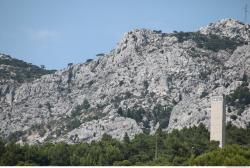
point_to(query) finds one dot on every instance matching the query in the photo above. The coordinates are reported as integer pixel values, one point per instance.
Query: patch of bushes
(210, 42)
(137, 114)
(79, 108)
(39, 128)
(245, 78)
(22, 71)
(158, 114)
(204, 94)
(100, 55)
(162, 114)
(232, 155)
(75, 123)
(49, 106)
(233, 117)
(121, 83)
(237, 135)
(101, 106)
(86, 104)
(239, 98)
(77, 111)
(15, 136)
(128, 95)
(116, 101)
(96, 116)
(91, 83)
(89, 60)
(145, 84)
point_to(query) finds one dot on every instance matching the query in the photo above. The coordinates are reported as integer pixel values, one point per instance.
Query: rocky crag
(150, 80)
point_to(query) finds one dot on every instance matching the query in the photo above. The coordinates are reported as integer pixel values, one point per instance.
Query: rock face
(228, 27)
(150, 80)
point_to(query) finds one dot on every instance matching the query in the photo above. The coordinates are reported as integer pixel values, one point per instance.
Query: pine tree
(126, 138)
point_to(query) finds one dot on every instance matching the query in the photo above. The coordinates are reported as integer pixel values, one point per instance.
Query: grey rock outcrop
(161, 79)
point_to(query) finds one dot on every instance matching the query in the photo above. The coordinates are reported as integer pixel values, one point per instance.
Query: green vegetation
(239, 98)
(145, 84)
(210, 42)
(79, 109)
(190, 146)
(231, 155)
(158, 114)
(237, 135)
(21, 71)
(137, 114)
(89, 60)
(162, 114)
(75, 123)
(15, 136)
(204, 94)
(100, 55)
(233, 117)
(86, 104)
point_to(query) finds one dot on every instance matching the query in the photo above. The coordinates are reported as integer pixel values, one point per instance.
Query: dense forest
(189, 146)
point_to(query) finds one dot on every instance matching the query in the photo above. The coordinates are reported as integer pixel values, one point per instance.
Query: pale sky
(57, 32)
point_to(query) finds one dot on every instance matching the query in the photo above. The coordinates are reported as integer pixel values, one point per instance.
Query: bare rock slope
(150, 80)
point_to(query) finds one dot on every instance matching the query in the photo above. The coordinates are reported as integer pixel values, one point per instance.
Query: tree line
(189, 146)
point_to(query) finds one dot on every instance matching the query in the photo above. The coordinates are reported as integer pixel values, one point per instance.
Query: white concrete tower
(217, 120)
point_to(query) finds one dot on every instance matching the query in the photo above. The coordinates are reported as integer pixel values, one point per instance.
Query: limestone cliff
(150, 79)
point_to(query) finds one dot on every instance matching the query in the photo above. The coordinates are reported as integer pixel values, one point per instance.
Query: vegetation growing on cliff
(240, 98)
(21, 71)
(210, 42)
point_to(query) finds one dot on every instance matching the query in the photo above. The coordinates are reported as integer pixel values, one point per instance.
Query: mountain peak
(138, 38)
(226, 23)
(230, 22)
(137, 35)
(229, 27)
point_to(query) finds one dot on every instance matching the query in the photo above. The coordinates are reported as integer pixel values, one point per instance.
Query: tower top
(217, 98)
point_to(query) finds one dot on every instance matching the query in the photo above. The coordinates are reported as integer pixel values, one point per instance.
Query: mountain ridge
(146, 82)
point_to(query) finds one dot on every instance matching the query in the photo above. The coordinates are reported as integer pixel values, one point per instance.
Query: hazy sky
(56, 32)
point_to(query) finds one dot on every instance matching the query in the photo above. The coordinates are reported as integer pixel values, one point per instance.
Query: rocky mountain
(150, 80)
